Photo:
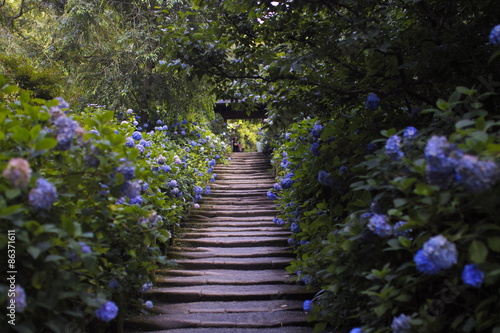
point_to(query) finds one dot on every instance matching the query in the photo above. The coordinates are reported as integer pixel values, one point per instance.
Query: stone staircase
(232, 259)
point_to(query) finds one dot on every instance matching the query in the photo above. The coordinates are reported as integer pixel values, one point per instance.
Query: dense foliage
(89, 205)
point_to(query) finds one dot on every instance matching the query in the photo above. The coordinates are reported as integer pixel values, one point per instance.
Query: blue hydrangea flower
(19, 298)
(172, 183)
(307, 280)
(148, 304)
(129, 142)
(378, 224)
(279, 222)
(136, 201)
(403, 233)
(277, 187)
(307, 305)
(316, 131)
(409, 134)
(198, 190)
(476, 175)
(356, 330)
(128, 171)
(401, 324)
(315, 149)
(286, 183)
(131, 189)
(166, 168)
(207, 189)
(287, 136)
(371, 147)
(372, 102)
(285, 163)
(212, 163)
(161, 160)
(137, 136)
(495, 35)
(113, 283)
(295, 227)
(442, 158)
(343, 170)
(472, 276)
(107, 311)
(437, 254)
(393, 148)
(85, 247)
(159, 122)
(271, 195)
(324, 178)
(43, 196)
(146, 287)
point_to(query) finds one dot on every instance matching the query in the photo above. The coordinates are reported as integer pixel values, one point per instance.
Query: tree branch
(21, 12)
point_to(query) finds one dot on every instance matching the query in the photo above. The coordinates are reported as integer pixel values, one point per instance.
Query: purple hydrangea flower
(131, 189)
(172, 183)
(18, 172)
(325, 179)
(19, 298)
(107, 311)
(212, 163)
(148, 304)
(393, 148)
(437, 254)
(113, 283)
(442, 158)
(271, 195)
(343, 170)
(128, 171)
(65, 130)
(315, 149)
(472, 275)
(277, 187)
(85, 247)
(207, 189)
(356, 330)
(146, 287)
(477, 175)
(372, 102)
(307, 305)
(495, 35)
(161, 160)
(401, 324)
(371, 147)
(198, 190)
(43, 196)
(136, 201)
(378, 224)
(166, 168)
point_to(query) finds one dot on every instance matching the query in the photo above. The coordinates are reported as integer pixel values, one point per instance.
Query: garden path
(232, 259)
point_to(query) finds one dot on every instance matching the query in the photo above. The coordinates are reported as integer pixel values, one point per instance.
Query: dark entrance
(225, 109)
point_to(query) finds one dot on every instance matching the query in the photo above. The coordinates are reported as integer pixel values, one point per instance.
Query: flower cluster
(447, 163)
(401, 324)
(107, 312)
(378, 224)
(393, 148)
(495, 35)
(325, 178)
(372, 102)
(472, 275)
(18, 172)
(436, 255)
(43, 196)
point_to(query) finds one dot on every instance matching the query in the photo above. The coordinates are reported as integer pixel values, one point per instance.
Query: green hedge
(89, 207)
(399, 232)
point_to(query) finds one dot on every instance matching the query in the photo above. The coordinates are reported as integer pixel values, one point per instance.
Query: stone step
(283, 329)
(242, 186)
(234, 263)
(201, 218)
(242, 213)
(230, 252)
(220, 234)
(235, 224)
(203, 293)
(222, 276)
(221, 320)
(234, 241)
(213, 206)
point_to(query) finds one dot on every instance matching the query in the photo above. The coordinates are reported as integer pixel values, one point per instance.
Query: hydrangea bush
(93, 203)
(396, 228)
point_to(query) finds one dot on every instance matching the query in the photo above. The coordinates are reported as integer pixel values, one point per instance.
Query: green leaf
(46, 144)
(424, 189)
(478, 252)
(69, 226)
(442, 104)
(494, 243)
(34, 251)
(464, 123)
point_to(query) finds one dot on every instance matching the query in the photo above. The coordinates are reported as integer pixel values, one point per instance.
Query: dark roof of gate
(227, 111)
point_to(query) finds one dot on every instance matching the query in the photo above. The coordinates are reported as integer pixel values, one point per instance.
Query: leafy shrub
(398, 232)
(90, 210)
